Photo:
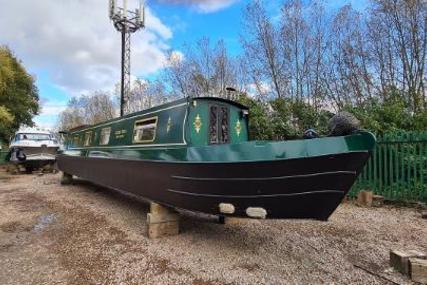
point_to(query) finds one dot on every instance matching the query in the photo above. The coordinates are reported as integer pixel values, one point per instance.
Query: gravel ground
(85, 234)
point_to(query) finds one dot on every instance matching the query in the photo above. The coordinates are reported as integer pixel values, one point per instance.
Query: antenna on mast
(126, 22)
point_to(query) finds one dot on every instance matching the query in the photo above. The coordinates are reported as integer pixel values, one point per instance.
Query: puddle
(44, 221)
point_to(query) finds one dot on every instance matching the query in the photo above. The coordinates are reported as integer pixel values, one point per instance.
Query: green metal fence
(3, 154)
(397, 169)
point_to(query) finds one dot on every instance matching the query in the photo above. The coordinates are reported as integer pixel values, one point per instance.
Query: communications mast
(126, 22)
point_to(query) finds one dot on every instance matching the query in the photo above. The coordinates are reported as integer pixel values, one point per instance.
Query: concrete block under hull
(162, 221)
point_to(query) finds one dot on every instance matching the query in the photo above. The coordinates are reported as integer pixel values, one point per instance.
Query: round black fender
(343, 123)
(20, 155)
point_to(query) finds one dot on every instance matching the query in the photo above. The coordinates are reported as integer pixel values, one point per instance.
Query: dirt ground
(85, 234)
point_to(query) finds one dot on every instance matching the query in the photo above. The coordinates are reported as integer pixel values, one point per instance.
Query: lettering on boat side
(197, 123)
(120, 134)
(169, 125)
(238, 128)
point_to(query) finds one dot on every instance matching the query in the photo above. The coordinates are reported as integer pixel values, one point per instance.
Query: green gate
(3, 154)
(397, 168)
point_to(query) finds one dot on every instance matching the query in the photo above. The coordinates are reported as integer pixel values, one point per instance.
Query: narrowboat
(195, 154)
(33, 148)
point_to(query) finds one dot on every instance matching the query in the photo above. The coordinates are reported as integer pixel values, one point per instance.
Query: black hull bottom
(294, 188)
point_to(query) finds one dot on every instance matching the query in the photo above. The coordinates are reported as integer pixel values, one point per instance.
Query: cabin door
(218, 124)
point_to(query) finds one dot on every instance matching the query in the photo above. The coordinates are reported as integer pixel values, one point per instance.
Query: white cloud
(75, 42)
(47, 126)
(204, 6)
(47, 118)
(52, 108)
(263, 88)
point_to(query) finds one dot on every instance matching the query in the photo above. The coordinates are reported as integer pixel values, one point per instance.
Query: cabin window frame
(88, 138)
(102, 134)
(156, 118)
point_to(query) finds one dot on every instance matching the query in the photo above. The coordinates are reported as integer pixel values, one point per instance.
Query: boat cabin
(186, 122)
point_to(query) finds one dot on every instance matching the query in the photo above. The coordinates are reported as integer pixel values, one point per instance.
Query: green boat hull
(288, 179)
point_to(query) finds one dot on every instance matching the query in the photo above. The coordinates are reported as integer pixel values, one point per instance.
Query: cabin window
(145, 130)
(223, 117)
(88, 138)
(76, 140)
(218, 124)
(34, 137)
(213, 125)
(105, 136)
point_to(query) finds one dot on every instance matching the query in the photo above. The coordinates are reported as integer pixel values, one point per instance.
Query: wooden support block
(157, 209)
(13, 168)
(377, 201)
(418, 270)
(66, 179)
(162, 221)
(399, 260)
(163, 229)
(364, 198)
(48, 168)
(15, 171)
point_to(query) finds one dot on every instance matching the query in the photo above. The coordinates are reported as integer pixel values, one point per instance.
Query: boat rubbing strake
(194, 154)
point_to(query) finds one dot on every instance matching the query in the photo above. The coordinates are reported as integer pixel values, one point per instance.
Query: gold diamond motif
(197, 123)
(238, 128)
(169, 125)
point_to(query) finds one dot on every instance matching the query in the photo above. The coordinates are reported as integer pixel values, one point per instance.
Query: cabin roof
(79, 128)
(32, 131)
(160, 107)
(221, 100)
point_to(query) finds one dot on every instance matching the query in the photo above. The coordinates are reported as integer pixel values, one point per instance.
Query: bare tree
(296, 42)
(330, 60)
(72, 116)
(348, 79)
(146, 94)
(405, 39)
(261, 43)
(98, 107)
(203, 70)
(87, 110)
(318, 24)
(178, 74)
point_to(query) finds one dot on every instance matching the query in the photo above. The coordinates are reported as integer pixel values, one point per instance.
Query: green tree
(6, 121)
(19, 100)
(291, 118)
(281, 119)
(389, 115)
(260, 127)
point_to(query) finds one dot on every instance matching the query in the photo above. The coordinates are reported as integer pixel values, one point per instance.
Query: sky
(72, 48)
